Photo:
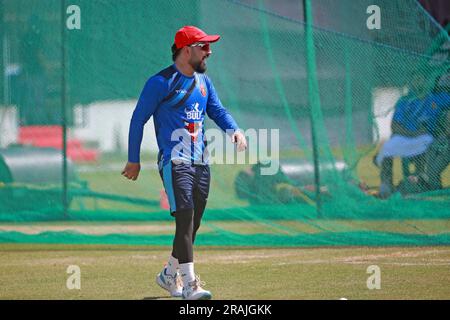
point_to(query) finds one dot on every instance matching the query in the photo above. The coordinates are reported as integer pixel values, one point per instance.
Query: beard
(198, 66)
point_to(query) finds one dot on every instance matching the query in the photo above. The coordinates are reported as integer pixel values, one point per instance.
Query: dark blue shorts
(187, 185)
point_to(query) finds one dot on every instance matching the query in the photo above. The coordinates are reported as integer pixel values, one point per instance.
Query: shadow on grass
(159, 298)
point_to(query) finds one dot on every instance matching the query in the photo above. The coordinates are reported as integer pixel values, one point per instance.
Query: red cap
(189, 35)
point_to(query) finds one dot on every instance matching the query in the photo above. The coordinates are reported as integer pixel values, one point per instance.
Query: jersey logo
(194, 129)
(203, 90)
(194, 114)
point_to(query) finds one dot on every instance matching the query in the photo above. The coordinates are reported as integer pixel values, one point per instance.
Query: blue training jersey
(178, 104)
(414, 113)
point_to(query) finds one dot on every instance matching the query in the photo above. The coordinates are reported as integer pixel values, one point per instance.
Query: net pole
(349, 155)
(63, 108)
(3, 60)
(313, 97)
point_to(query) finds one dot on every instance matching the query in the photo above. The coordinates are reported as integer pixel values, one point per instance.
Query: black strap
(174, 91)
(187, 95)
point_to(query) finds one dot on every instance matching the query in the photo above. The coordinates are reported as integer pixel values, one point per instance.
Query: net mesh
(329, 84)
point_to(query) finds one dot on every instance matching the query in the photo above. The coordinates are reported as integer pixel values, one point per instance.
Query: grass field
(123, 272)
(288, 227)
(32, 271)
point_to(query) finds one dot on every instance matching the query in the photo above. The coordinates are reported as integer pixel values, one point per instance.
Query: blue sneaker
(170, 283)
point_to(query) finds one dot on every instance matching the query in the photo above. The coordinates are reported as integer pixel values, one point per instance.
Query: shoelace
(178, 281)
(197, 282)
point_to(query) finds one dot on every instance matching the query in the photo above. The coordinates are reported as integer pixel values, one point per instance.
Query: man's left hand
(239, 138)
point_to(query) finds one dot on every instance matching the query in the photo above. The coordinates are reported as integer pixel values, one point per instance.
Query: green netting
(318, 74)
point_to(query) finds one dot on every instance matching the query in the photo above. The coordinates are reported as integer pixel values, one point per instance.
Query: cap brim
(210, 38)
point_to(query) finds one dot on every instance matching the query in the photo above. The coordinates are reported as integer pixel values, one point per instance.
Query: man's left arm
(223, 118)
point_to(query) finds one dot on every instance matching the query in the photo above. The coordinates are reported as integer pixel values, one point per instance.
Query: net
(313, 76)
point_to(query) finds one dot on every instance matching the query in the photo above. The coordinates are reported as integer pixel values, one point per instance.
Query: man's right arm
(146, 106)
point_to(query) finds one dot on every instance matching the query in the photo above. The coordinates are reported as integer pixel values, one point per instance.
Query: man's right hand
(131, 170)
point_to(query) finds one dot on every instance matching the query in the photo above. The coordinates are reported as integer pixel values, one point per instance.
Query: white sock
(187, 273)
(172, 266)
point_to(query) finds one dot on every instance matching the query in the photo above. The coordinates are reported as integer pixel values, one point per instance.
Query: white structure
(384, 100)
(8, 126)
(108, 122)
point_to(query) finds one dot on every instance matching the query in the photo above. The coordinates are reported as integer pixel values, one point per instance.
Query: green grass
(285, 227)
(122, 272)
(222, 193)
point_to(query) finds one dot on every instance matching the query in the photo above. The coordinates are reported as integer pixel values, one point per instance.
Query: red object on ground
(163, 200)
(52, 137)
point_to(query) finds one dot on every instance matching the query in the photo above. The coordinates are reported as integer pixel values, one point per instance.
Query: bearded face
(199, 53)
